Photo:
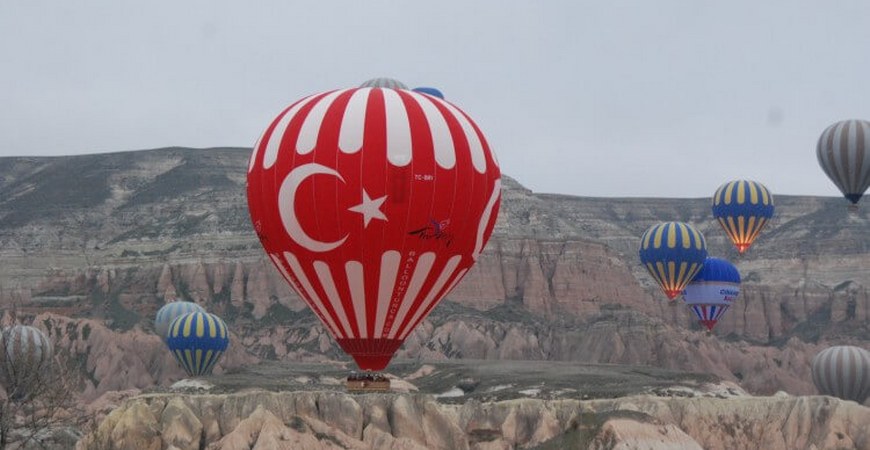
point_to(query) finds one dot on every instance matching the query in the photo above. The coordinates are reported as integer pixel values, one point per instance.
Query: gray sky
(657, 98)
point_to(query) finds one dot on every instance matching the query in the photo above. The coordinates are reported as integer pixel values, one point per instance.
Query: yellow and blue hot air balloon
(672, 252)
(743, 208)
(712, 291)
(198, 340)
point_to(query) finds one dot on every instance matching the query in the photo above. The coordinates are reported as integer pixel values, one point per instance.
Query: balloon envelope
(373, 203)
(843, 152)
(430, 91)
(742, 208)
(843, 371)
(672, 252)
(384, 82)
(26, 354)
(712, 291)
(171, 311)
(198, 340)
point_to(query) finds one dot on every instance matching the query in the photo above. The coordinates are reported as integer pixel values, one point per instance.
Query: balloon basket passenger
(367, 382)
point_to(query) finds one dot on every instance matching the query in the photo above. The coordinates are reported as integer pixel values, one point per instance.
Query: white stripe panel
(398, 129)
(309, 290)
(448, 270)
(274, 142)
(328, 284)
(255, 152)
(484, 219)
(852, 156)
(356, 282)
(478, 160)
(421, 273)
(350, 138)
(442, 141)
(453, 284)
(311, 127)
(389, 270)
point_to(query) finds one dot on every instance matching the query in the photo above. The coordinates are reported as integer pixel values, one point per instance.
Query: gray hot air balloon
(384, 82)
(843, 371)
(170, 312)
(844, 154)
(25, 357)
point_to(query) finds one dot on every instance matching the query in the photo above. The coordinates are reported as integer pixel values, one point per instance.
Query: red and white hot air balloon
(373, 203)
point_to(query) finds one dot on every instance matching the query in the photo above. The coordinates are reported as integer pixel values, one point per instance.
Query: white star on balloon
(370, 209)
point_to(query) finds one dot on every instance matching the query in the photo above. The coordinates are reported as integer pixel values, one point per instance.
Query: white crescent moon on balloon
(287, 206)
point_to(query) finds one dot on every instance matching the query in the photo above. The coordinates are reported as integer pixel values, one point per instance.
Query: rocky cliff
(107, 239)
(328, 420)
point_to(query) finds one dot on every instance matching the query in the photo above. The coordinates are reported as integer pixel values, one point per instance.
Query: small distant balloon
(198, 340)
(384, 82)
(26, 354)
(844, 154)
(712, 291)
(843, 371)
(430, 91)
(672, 252)
(743, 208)
(170, 312)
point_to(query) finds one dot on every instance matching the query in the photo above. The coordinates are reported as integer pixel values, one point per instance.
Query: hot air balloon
(743, 208)
(430, 91)
(373, 203)
(198, 340)
(384, 82)
(26, 355)
(171, 311)
(844, 154)
(672, 252)
(843, 371)
(712, 291)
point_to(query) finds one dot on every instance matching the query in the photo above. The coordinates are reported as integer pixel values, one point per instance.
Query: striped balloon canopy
(373, 203)
(26, 355)
(198, 340)
(384, 82)
(672, 252)
(843, 151)
(843, 371)
(169, 312)
(712, 291)
(742, 208)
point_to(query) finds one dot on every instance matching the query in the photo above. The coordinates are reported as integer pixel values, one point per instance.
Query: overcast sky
(646, 98)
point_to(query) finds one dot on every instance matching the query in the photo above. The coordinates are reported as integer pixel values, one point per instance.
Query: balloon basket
(853, 208)
(365, 382)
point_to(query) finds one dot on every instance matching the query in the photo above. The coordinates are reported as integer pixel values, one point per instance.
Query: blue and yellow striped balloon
(170, 312)
(198, 340)
(743, 208)
(672, 252)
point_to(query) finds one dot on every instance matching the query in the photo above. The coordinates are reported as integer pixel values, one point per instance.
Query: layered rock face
(315, 420)
(107, 239)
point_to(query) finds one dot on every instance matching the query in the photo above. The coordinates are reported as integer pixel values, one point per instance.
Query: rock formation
(327, 420)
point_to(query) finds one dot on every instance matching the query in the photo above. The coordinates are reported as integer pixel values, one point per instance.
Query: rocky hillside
(106, 239)
(330, 420)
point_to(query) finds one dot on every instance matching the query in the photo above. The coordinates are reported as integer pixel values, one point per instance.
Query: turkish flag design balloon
(373, 203)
